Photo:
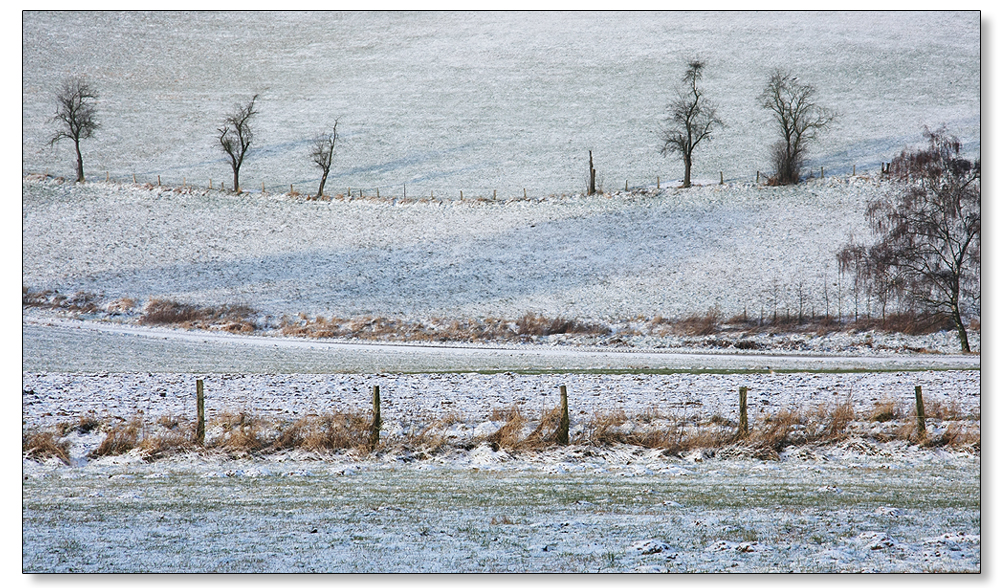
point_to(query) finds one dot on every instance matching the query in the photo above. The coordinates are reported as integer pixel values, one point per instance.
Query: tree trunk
(963, 336)
(322, 183)
(236, 180)
(79, 162)
(687, 170)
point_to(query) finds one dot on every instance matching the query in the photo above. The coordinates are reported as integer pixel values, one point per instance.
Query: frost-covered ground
(483, 101)
(740, 248)
(854, 505)
(845, 508)
(49, 398)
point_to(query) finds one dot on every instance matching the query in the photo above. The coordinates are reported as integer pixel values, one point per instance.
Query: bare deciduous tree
(928, 246)
(322, 154)
(76, 115)
(236, 136)
(799, 119)
(692, 119)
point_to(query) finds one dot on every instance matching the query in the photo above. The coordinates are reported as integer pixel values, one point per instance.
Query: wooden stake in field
(199, 432)
(562, 433)
(376, 417)
(744, 429)
(921, 421)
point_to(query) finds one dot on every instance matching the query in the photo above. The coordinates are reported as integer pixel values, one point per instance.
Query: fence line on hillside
(408, 193)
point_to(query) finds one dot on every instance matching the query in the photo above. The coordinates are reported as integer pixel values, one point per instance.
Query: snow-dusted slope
(673, 252)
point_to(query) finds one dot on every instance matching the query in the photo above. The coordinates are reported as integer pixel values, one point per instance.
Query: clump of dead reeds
(509, 435)
(326, 433)
(699, 326)
(120, 438)
(242, 433)
(231, 318)
(41, 445)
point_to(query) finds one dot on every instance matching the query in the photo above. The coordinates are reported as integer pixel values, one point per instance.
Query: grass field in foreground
(866, 513)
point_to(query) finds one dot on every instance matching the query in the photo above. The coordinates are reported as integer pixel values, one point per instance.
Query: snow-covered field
(738, 247)
(478, 102)
(483, 101)
(845, 508)
(855, 505)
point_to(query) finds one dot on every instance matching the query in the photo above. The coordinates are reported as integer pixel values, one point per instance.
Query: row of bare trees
(76, 119)
(693, 119)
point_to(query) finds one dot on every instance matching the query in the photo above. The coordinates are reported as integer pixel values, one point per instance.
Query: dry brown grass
(884, 410)
(41, 445)
(326, 433)
(605, 428)
(120, 438)
(85, 424)
(230, 318)
(508, 436)
(79, 302)
(242, 433)
(698, 326)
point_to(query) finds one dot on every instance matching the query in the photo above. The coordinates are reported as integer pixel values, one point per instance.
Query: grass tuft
(41, 445)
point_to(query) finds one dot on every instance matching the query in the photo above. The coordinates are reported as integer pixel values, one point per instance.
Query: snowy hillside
(673, 253)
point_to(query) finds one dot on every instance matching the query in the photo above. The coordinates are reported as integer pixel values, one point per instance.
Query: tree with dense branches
(76, 115)
(692, 119)
(927, 228)
(236, 136)
(799, 119)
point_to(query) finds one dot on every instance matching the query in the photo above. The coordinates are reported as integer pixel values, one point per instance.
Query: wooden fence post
(657, 182)
(209, 182)
(744, 429)
(721, 181)
(494, 194)
(157, 180)
(133, 179)
(376, 417)
(562, 433)
(199, 432)
(921, 421)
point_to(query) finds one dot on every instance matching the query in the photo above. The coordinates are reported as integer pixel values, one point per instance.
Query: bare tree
(76, 115)
(799, 119)
(692, 119)
(927, 230)
(322, 154)
(236, 136)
